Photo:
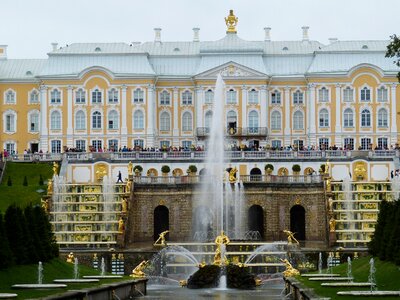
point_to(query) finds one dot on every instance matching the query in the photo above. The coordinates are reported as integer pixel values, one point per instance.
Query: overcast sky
(29, 26)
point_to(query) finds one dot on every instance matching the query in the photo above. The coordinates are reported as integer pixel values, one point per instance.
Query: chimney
(3, 51)
(305, 33)
(332, 40)
(196, 37)
(54, 45)
(157, 35)
(267, 31)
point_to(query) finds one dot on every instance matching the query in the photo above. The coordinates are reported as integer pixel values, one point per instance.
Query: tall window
(187, 144)
(365, 94)
(96, 120)
(208, 119)
(113, 120)
(113, 145)
(209, 96)
(383, 143)
(55, 120)
(187, 98)
(187, 121)
(276, 144)
(365, 118)
(80, 145)
(253, 122)
(348, 94)
(34, 97)
(382, 94)
(10, 147)
(298, 97)
(138, 96)
(253, 97)
(138, 120)
(164, 144)
(323, 94)
(298, 120)
(80, 96)
(113, 96)
(366, 144)
(348, 118)
(382, 118)
(80, 120)
(10, 97)
(55, 96)
(56, 146)
(276, 97)
(323, 143)
(97, 145)
(349, 143)
(10, 122)
(96, 96)
(138, 143)
(231, 96)
(323, 118)
(298, 144)
(34, 122)
(276, 120)
(165, 98)
(165, 121)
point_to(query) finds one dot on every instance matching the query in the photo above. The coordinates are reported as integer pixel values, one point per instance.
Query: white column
(393, 122)
(175, 131)
(338, 125)
(123, 112)
(44, 143)
(70, 130)
(150, 115)
(311, 104)
(199, 107)
(287, 117)
(264, 114)
(244, 107)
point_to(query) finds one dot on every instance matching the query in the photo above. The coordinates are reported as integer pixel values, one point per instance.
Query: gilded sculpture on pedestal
(49, 187)
(332, 224)
(161, 239)
(219, 257)
(232, 175)
(55, 168)
(70, 258)
(130, 168)
(290, 271)
(231, 22)
(290, 237)
(100, 171)
(138, 271)
(124, 205)
(45, 205)
(121, 225)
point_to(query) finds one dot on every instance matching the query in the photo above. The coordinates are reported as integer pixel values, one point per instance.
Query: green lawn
(55, 269)
(19, 194)
(387, 277)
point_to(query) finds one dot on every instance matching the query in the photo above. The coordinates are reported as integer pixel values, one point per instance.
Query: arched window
(253, 121)
(382, 94)
(55, 120)
(165, 98)
(276, 120)
(323, 94)
(138, 120)
(348, 94)
(298, 97)
(80, 120)
(10, 97)
(253, 96)
(34, 97)
(187, 98)
(187, 121)
(231, 96)
(298, 120)
(165, 121)
(34, 122)
(382, 118)
(80, 96)
(113, 120)
(323, 118)
(231, 116)
(208, 119)
(209, 96)
(365, 94)
(96, 96)
(138, 96)
(365, 118)
(276, 97)
(348, 118)
(55, 96)
(96, 120)
(113, 96)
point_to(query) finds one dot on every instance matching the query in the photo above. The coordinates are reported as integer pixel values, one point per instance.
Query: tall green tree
(376, 241)
(45, 233)
(6, 256)
(394, 242)
(14, 230)
(37, 253)
(393, 50)
(387, 232)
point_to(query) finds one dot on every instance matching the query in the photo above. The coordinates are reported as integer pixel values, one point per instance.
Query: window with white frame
(323, 94)
(323, 143)
(113, 120)
(298, 97)
(113, 145)
(138, 120)
(382, 94)
(97, 145)
(34, 97)
(231, 96)
(55, 146)
(382, 143)
(253, 97)
(187, 144)
(55, 96)
(323, 118)
(366, 144)
(298, 144)
(187, 98)
(55, 120)
(80, 96)
(276, 144)
(10, 122)
(253, 122)
(276, 120)
(276, 97)
(10, 97)
(10, 147)
(96, 120)
(349, 143)
(209, 96)
(80, 120)
(138, 96)
(138, 143)
(96, 96)
(298, 120)
(348, 94)
(164, 144)
(34, 122)
(187, 121)
(80, 145)
(348, 118)
(208, 119)
(113, 96)
(382, 118)
(365, 94)
(365, 118)
(165, 98)
(165, 121)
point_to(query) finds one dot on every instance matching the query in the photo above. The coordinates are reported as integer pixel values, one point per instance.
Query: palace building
(156, 94)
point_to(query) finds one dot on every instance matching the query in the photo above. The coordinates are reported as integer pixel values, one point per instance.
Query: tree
(45, 234)
(25, 182)
(387, 232)
(38, 253)
(375, 244)
(15, 235)
(6, 256)
(393, 50)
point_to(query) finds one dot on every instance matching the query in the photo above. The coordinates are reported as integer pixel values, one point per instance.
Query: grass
(387, 278)
(55, 269)
(19, 194)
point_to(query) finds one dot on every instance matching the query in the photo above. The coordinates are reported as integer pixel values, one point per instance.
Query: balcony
(203, 132)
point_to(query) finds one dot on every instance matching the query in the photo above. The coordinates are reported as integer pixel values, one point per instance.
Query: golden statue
(327, 167)
(130, 168)
(70, 258)
(231, 22)
(330, 204)
(202, 265)
(332, 224)
(101, 171)
(138, 271)
(290, 237)
(45, 205)
(161, 239)
(128, 187)
(49, 187)
(258, 281)
(232, 177)
(55, 168)
(328, 185)
(183, 283)
(124, 205)
(360, 171)
(290, 271)
(121, 225)
(220, 240)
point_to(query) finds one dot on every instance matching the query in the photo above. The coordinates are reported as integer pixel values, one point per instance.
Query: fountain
(102, 272)
(349, 272)
(76, 278)
(371, 276)
(320, 263)
(395, 187)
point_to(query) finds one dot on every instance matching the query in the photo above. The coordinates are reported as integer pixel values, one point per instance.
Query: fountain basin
(102, 276)
(8, 296)
(320, 275)
(38, 286)
(330, 278)
(346, 284)
(75, 280)
(370, 294)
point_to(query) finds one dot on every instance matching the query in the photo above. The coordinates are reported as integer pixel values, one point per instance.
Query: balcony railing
(281, 179)
(236, 132)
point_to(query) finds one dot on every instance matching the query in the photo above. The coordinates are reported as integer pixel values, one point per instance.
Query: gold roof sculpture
(231, 21)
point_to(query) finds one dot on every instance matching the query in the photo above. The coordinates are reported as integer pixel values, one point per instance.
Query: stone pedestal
(332, 238)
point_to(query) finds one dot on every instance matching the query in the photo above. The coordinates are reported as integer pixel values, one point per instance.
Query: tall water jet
(349, 271)
(371, 276)
(102, 267)
(348, 204)
(76, 268)
(320, 263)
(40, 273)
(395, 187)
(108, 198)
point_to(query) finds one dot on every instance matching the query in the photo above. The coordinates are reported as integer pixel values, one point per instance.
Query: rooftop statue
(231, 22)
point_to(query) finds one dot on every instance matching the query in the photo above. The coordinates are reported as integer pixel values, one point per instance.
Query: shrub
(192, 168)
(138, 167)
(322, 168)
(25, 182)
(41, 180)
(296, 168)
(165, 169)
(269, 166)
(9, 181)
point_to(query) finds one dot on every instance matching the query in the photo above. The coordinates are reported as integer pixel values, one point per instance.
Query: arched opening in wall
(308, 171)
(161, 221)
(202, 223)
(152, 172)
(298, 222)
(255, 174)
(203, 172)
(177, 172)
(256, 219)
(283, 172)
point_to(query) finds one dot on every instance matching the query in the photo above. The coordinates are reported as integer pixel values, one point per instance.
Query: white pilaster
(244, 106)
(199, 107)
(393, 122)
(124, 129)
(150, 116)
(70, 131)
(44, 143)
(287, 117)
(312, 123)
(338, 125)
(264, 114)
(175, 131)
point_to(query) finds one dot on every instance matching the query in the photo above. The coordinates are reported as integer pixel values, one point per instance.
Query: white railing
(281, 179)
